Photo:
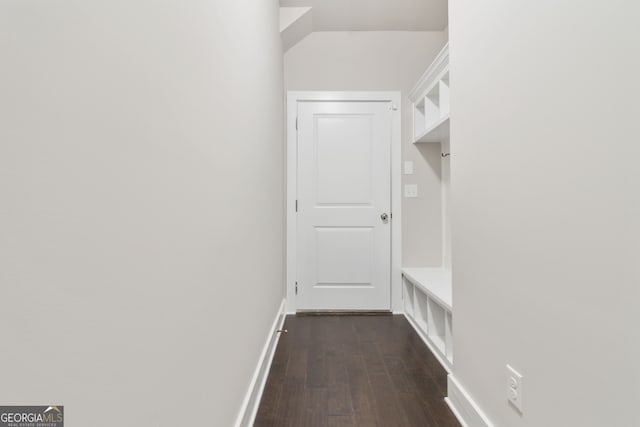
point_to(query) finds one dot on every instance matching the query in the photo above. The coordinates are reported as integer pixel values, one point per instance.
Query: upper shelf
(439, 66)
(430, 98)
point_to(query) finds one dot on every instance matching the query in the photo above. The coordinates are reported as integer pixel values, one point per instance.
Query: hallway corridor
(353, 371)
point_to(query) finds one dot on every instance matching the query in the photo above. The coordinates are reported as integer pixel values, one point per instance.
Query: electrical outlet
(411, 190)
(514, 388)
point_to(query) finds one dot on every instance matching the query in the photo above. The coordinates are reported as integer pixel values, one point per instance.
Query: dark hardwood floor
(354, 371)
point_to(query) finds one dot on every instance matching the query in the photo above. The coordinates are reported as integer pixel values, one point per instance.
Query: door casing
(394, 100)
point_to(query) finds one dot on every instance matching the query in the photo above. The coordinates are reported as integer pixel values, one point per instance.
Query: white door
(344, 199)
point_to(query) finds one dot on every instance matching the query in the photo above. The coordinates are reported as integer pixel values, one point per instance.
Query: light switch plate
(408, 167)
(411, 190)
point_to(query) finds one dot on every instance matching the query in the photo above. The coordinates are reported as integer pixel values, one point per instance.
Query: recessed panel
(344, 256)
(343, 159)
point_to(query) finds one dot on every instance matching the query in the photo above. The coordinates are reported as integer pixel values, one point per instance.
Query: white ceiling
(375, 15)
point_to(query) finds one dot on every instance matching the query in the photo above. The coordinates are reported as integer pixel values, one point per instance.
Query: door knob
(384, 217)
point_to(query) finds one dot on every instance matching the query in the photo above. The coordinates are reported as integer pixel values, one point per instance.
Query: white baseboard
(463, 407)
(251, 402)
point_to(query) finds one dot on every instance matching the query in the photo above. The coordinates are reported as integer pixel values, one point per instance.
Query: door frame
(394, 100)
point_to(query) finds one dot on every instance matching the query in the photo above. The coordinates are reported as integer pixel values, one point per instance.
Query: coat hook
(445, 154)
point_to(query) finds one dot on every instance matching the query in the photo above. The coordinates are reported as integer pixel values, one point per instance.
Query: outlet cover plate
(514, 388)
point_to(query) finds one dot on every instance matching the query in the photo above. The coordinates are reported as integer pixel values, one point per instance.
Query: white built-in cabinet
(428, 306)
(427, 292)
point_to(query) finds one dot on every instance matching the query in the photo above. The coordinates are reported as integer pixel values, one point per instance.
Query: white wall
(384, 60)
(546, 206)
(141, 194)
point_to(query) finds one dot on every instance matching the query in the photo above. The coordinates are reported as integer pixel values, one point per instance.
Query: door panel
(343, 188)
(345, 256)
(344, 170)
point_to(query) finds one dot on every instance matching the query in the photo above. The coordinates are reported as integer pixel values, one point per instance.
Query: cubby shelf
(430, 98)
(428, 306)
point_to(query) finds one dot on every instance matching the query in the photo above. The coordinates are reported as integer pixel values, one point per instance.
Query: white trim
(463, 406)
(393, 97)
(251, 402)
(437, 353)
(396, 206)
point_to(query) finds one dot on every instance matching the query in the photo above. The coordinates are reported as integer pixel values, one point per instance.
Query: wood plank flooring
(353, 371)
